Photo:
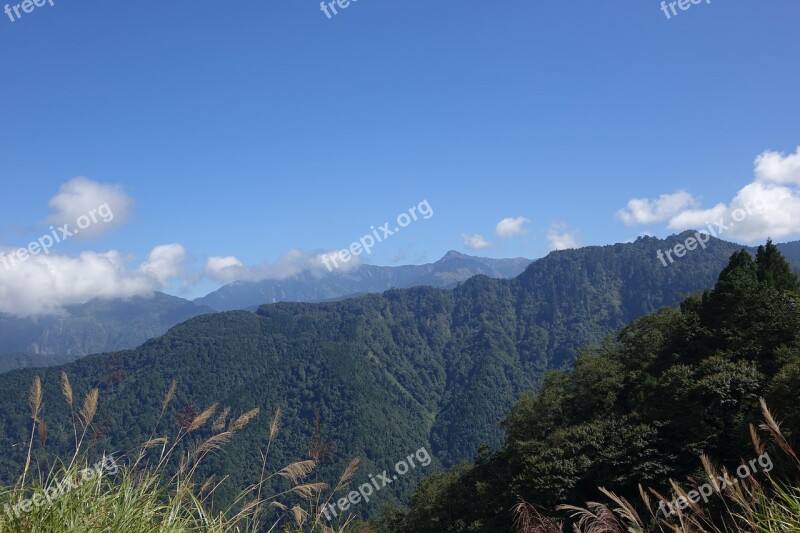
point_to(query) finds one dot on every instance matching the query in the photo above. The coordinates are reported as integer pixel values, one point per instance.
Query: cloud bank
(46, 284)
(769, 206)
(226, 269)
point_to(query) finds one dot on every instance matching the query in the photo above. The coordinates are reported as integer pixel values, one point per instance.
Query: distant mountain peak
(451, 269)
(452, 254)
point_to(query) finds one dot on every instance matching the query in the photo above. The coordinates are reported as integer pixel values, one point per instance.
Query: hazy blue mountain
(96, 326)
(791, 251)
(307, 287)
(110, 325)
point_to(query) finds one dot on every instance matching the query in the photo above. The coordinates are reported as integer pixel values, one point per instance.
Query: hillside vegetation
(384, 374)
(675, 385)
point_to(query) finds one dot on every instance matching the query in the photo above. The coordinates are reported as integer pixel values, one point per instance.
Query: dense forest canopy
(673, 385)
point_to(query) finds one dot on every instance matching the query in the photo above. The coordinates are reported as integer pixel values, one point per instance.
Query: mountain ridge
(306, 286)
(104, 325)
(101, 325)
(398, 370)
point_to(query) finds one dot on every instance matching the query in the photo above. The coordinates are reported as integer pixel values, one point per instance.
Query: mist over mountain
(103, 325)
(309, 287)
(99, 325)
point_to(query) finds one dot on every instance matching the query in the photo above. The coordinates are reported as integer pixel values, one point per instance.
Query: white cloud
(104, 205)
(224, 269)
(164, 262)
(508, 227)
(757, 211)
(45, 284)
(476, 241)
(229, 268)
(645, 211)
(697, 218)
(767, 207)
(562, 238)
(775, 167)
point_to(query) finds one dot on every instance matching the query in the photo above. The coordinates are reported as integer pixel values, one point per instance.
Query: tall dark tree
(773, 269)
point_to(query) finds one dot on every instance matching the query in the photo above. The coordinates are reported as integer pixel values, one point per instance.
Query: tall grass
(154, 488)
(771, 505)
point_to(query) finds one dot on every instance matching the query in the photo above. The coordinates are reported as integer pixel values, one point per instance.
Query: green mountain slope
(117, 324)
(387, 374)
(679, 383)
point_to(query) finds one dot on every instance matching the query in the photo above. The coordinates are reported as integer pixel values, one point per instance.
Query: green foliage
(157, 486)
(777, 514)
(774, 270)
(388, 374)
(677, 384)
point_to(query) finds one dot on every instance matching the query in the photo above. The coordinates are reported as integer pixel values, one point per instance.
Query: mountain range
(110, 325)
(451, 269)
(99, 325)
(386, 374)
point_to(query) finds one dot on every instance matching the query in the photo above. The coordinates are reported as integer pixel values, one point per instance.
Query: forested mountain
(310, 287)
(107, 325)
(387, 374)
(677, 384)
(99, 325)
(791, 251)
(451, 269)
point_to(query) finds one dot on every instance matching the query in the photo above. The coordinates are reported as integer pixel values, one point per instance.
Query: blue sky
(248, 129)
